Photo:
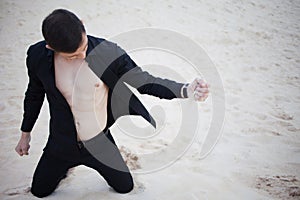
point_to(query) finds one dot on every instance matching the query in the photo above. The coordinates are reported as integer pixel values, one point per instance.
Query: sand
(254, 46)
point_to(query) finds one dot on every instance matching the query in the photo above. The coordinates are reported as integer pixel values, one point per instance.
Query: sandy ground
(255, 48)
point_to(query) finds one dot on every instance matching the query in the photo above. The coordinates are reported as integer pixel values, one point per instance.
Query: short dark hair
(63, 31)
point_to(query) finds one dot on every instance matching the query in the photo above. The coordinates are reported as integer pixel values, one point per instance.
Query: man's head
(64, 33)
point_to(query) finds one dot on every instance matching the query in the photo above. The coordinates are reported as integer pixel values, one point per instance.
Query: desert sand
(254, 45)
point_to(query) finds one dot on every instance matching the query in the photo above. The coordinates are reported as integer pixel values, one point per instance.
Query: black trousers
(99, 153)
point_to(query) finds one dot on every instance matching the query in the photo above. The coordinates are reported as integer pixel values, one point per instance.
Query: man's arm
(126, 70)
(145, 82)
(34, 98)
(162, 88)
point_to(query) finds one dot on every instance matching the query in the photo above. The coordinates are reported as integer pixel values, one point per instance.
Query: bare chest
(75, 76)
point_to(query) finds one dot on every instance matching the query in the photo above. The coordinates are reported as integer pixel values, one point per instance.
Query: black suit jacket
(113, 66)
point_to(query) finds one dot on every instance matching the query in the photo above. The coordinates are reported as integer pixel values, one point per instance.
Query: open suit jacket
(113, 66)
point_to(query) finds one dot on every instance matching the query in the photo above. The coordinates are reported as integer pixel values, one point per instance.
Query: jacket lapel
(122, 100)
(52, 84)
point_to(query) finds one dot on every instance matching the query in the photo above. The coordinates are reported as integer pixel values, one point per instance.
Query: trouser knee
(41, 191)
(124, 188)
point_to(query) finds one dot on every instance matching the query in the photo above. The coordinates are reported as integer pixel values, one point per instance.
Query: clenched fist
(23, 146)
(198, 90)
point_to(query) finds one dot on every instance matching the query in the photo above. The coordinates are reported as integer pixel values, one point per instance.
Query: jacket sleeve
(146, 83)
(34, 97)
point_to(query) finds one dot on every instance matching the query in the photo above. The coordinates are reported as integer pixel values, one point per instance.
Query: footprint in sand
(138, 187)
(261, 130)
(131, 159)
(278, 124)
(17, 190)
(282, 187)
(279, 113)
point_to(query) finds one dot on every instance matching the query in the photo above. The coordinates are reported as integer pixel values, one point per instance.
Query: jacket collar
(50, 53)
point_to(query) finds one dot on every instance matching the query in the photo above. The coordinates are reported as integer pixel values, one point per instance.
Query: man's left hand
(198, 90)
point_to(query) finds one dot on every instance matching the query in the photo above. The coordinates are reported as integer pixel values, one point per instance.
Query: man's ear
(48, 47)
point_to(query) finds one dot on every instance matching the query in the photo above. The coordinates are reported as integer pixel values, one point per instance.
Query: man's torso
(85, 93)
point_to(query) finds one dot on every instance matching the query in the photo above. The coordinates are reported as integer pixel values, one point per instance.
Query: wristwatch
(184, 91)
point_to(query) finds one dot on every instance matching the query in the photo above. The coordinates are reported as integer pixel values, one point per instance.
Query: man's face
(80, 53)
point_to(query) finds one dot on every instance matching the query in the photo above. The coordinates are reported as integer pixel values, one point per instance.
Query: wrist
(25, 134)
(184, 92)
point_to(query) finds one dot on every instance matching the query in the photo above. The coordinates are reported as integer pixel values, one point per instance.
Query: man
(83, 79)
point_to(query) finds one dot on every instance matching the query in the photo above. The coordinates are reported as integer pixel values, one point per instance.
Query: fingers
(200, 96)
(19, 151)
(201, 90)
(25, 151)
(198, 83)
(202, 83)
(22, 150)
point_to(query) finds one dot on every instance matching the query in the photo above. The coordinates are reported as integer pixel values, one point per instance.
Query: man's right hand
(23, 146)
